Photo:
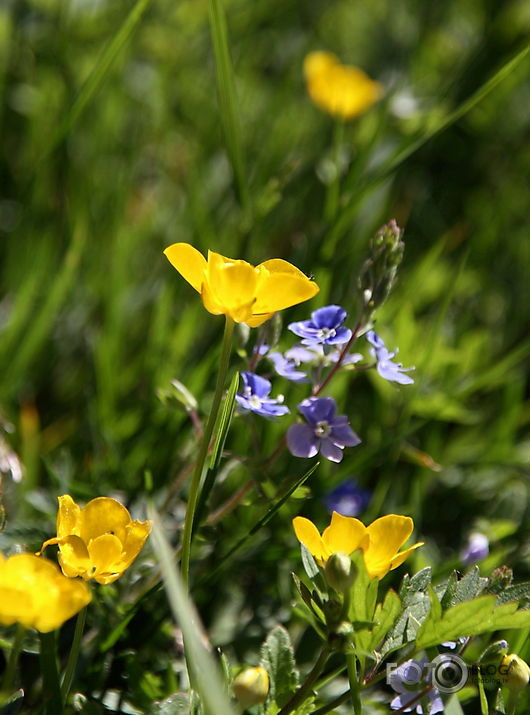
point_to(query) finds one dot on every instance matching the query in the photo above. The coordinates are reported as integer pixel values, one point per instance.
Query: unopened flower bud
(514, 672)
(251, 686)
(340, 572)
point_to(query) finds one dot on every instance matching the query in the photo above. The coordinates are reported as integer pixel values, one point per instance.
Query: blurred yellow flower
(248, 294)
(340, 90)
(34, 592)
(379, 541)
(251, 686)
(98, 541)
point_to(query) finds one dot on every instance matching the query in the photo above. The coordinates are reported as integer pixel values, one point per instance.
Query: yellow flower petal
(403, 555)
(344, 534)
(257, 320)
(231, 282)
(34, 593)
(189, 262)
(68, 516)
(387, 534)
(73, 556)
(105, 555)
(277, 291)
(137, 533)
(307, 533)
(103, 515)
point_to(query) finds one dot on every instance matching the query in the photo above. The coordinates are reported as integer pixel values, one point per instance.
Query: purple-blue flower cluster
(323, 431)
(387, 369)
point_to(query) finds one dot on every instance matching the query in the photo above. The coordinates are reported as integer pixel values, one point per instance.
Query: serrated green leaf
(408, 622)
(411, 585)
(277, 657)
(448, 596)
(519, 592)
(469, 586)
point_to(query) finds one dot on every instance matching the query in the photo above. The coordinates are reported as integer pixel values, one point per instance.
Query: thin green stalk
(333, 190)
(351, 662)
(512, 703)
(74, 654)
(306, 687)
(196, 478)
(9, 675)
(50, 674)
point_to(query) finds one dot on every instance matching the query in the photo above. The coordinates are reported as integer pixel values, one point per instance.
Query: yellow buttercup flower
(34, 593)
(251, 686)
(379, 542)
(248, 294)
(340, 90)
(97, 541)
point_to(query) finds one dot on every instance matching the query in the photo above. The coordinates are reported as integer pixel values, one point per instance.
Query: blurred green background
(96, 180)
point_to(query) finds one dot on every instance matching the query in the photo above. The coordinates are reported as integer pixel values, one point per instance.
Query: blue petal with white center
(386, 367)
(255, 397)
(324, 328)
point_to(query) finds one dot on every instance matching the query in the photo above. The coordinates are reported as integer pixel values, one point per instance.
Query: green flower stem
(333, 190)
(50, 674)
(512, 703)
(74, 654)
(196, 478)
(351, 662)
(16, 647)
(306, 687)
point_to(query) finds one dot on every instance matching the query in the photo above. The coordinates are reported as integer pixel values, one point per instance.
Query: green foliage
(277, 657)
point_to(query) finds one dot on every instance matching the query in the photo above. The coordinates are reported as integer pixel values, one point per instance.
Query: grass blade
(98, 73)
(227, 99)
(203, 670)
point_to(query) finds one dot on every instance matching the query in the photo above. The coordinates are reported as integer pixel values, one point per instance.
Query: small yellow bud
(251, 686)
(514, 672)
(340, 572)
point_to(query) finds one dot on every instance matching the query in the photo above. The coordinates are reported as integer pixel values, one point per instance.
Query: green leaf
(206, 678)
(308, 562)
(223, 423)
(499, 703)
(412, 585)
(277, 657)
(385, 616)
(518, 592)
(415, 605)
(452, 706)
(469, 618)
(482, 694)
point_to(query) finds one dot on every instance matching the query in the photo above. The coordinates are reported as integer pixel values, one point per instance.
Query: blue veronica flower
(409, 680)
(348, 499)
(323, 431)
(324, 328)
(255, 397)
(387, 369)
(288, 364)
(477, 548)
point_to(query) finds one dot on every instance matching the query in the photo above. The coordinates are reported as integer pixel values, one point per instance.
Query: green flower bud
(339, 638)
(340, 572)
(251, 686)
(514, 673)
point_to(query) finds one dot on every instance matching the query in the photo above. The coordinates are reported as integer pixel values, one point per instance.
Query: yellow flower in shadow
(34, 593)
(248, 294)
(97, 541)
(341, 90)
(380, 541)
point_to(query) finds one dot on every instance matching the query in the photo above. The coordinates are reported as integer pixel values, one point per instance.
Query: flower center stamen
(322, 429)
(254, 402)
(325, 333)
